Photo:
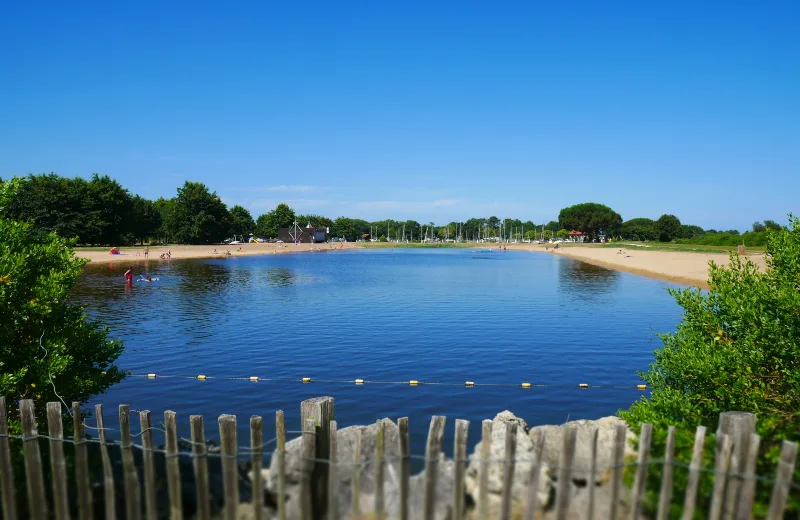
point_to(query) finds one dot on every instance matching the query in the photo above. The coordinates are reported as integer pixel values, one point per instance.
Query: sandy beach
(686, 268)
(683, 267)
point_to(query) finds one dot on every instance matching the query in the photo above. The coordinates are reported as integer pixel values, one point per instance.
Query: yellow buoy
(306, 379)
(359, 381)
(584, 385)
(469, 383)
(151, 376)
(254, 379)
(413, 382)
(201, 377)
(526, 385)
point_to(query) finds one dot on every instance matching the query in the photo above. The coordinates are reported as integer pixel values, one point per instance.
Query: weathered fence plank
(109, 499)
(280, 451)
(58, 464)
(200, 466)
(565, 473)
(722, 464)
(34, 479)
(533, 483)
(8, 496)
(744, 504)
(665, 497)
(432, 452)
(783, 480)
(405, 466)
(333, 498)
(483, 476)
(230, 477)
(133, 503)
(321, 411)
(645, 436)
(82, 484)
(380, 514)
(256, 457)
(460, 456)
(309, 445)
(592, 473)
(173, 466)
(738, 426)
(690, 498)
(618, 465)
(508, 469)
(148, 461)
(356, 480)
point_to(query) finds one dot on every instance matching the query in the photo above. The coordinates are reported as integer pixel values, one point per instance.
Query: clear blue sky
(410, 110)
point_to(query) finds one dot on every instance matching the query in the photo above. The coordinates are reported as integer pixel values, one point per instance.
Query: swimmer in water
(129, 276)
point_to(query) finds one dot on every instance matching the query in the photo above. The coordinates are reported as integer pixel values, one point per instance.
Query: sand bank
(183, 252)
(683, 267)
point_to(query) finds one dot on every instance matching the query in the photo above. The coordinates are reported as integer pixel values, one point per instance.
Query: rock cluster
(527, 438)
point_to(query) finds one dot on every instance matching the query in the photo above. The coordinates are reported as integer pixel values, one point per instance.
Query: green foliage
(590, 217)
(531, 235)
(97, 211)
(382, 239)
(668, 228)
(639, 229)
(547, 234)
(562, 233)
(268, 224)
(553, 226)
(146, 219)
(41, 334)
(737, 348)
(349, 228)
(750, 238)
(197, 216)
(688, 231)
(242, 222)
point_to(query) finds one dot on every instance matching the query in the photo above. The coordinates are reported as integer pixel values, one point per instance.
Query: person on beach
(146, 252)
(129, 277)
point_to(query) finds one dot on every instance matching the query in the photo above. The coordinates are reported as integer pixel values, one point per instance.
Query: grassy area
(667, 246)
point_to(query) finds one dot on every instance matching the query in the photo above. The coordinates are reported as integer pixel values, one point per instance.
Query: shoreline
(681, 267)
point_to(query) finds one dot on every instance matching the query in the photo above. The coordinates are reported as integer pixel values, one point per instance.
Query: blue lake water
(432, 315)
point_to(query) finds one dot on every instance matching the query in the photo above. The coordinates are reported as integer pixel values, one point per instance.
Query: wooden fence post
(460, 455)
(618, 465)
(690, 498)
(405, 466)
(355, 508)
(256, 457)
(738, 426)
(173, 466)
(280, 451)
(133, 503)
(321, 411)
(533, 484)
(109, 498)
(58, 464)
(333, 470)
(8, 497)
(307, 499)
(565, 473)
(722, 464)
(230, 477)
(432, 452)
(148, 461)
(379, 453)
(645, 436)
(744, 506)
(665, 497)
(200, 465)
(84, 488)
(783, 480)
(37, 499)
(592, 473)
(483, 475)
(508, 470)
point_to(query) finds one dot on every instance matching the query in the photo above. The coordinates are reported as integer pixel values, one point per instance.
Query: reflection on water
(388, 315)
(581, 280)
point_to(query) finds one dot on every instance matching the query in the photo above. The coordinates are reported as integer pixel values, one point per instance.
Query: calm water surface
(449, 315)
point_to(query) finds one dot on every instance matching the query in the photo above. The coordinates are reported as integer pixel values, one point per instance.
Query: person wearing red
(129, 276)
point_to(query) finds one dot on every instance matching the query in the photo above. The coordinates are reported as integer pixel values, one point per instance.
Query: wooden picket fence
(733, 492)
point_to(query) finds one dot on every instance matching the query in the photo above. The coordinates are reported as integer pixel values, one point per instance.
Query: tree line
(99, 211)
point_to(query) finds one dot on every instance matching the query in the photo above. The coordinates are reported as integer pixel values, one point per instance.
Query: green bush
(48, 347)
(737, 348)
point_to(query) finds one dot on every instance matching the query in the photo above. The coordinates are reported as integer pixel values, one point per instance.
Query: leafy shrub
(46, 342)
(737, 348)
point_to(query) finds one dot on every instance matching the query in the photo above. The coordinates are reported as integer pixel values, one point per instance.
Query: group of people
(164, 256)
(129, 277)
